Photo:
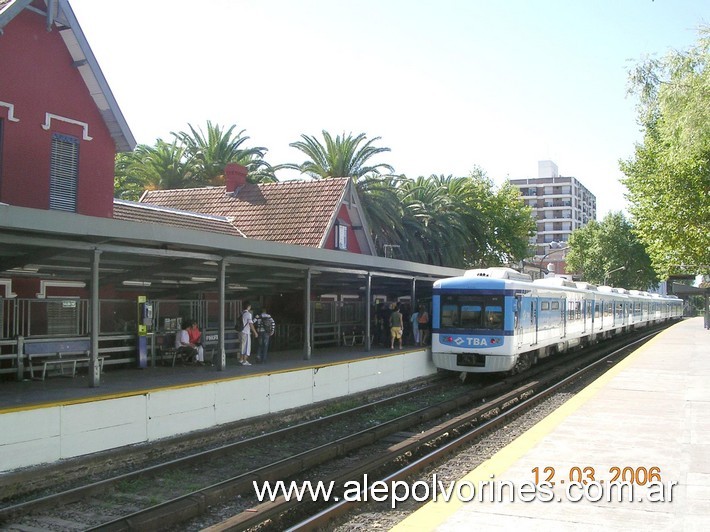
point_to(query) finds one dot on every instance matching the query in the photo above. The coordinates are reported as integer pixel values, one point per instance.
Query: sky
(447, 85)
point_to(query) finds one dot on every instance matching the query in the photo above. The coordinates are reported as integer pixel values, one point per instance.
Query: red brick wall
(37, 77)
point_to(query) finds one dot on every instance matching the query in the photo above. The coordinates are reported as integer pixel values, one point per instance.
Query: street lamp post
(606, 275)
(554, 248)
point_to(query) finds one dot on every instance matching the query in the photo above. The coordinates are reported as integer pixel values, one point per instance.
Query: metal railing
(46, 320)
(117, 349)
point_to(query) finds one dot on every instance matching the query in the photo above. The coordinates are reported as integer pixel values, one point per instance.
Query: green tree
(194, 159)
(163, 166)
(383, 210)
(213, 150)
(506, 223)
(463, 221)
(610, 252)
(668, 178)
(434, 226)
(340, 157)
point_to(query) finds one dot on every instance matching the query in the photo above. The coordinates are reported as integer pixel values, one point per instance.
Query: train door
(603, 315)
(590, 314)
(518, 325)
(533, 318)
(563, 311)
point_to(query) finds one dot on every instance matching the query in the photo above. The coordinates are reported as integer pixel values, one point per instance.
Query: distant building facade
(559, 205)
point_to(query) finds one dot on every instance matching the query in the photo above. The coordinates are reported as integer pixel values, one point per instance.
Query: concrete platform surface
(647, 420)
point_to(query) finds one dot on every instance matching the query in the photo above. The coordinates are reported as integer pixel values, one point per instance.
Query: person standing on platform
(423, 321)
(265, 326)
(414, 319)
(245, 328)
(396, 324)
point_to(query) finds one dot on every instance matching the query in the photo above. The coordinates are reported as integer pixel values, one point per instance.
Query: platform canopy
(160, 258)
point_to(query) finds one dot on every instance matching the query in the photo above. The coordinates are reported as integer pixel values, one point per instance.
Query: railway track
(158, 483)
(146, 499)
(416, 453)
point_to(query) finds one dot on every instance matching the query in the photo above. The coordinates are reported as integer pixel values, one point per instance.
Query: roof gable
(60, 17)
(292, 212)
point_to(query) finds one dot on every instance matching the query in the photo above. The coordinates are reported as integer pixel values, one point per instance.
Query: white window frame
(341, 235)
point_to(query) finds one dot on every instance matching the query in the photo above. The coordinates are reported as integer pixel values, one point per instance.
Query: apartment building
(560, 205)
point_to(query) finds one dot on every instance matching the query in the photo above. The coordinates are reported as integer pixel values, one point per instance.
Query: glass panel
(469, 311)
(494, 317)
(471, 316)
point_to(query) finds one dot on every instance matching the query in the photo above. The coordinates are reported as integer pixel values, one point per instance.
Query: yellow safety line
(434, 514)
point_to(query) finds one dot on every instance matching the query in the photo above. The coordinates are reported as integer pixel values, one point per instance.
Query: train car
(499, 320)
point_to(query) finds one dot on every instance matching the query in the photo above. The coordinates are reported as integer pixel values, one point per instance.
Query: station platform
(62, 417)
(115, 381)
(646, 420)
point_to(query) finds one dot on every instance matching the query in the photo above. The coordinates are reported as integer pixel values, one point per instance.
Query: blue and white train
(499, 320)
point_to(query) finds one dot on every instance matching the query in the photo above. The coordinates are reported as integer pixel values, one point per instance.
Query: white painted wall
(44, 435)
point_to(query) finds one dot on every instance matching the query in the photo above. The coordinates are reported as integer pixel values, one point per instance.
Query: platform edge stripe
(435, 513)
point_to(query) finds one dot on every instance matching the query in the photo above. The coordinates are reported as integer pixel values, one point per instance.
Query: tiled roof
(145, 213)
(292, 212)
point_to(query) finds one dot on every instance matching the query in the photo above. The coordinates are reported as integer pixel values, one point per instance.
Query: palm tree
(439, 219)
(383, 209)
(163, 166)
(342, 157)
(218, 147)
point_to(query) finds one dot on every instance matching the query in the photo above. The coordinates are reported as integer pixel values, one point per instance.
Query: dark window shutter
(64, 172)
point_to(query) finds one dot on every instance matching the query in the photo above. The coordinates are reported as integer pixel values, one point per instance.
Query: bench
(167, 348)
(66, 353)
(354, 338)
(168, 351)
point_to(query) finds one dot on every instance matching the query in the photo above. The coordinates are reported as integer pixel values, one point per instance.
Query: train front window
(471, 316)
(494, 317)
(463, 311)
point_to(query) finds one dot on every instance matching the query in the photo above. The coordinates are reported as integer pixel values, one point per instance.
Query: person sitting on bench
(195, 335)
(185, 349)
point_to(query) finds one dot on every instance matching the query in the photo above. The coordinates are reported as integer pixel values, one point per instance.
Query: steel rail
(77, 493)
(193, 504)
(323, 518)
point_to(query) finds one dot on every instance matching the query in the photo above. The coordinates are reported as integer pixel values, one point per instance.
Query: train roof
(509, 279)
(558, 282)
(498, 273)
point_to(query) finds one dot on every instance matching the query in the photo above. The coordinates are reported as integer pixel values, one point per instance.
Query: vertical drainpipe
(368, 313)
(222, 360)
(307, 350)
(94, 366)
